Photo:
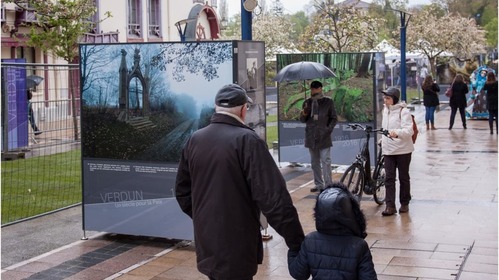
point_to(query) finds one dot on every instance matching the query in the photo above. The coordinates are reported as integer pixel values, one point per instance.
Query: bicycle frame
(359, 176)
(364, 157)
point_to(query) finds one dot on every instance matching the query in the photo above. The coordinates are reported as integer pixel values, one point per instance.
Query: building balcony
(103, 37)
(26, 16)
(154, 31)
(134, 30)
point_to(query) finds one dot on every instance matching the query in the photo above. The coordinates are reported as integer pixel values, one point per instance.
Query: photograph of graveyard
(142, 101)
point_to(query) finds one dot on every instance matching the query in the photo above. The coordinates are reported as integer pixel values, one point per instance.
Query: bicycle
(358, 177)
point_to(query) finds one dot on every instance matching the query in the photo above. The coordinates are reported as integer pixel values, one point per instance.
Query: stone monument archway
(126, 76)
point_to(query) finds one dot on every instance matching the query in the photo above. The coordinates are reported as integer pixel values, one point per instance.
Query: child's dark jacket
(337, 250)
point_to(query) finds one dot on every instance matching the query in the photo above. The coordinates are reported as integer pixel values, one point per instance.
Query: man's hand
(306, 108)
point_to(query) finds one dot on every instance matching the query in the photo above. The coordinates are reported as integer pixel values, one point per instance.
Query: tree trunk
(363, 70)
(433, 67)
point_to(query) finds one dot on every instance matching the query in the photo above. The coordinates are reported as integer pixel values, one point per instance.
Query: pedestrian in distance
(31, 114)
(457, 100)
(396, 71)
(319, 116)
(430, 100)
(226, 178)
(337, 250)
(423, 72)
(397, 150)
(490, 88)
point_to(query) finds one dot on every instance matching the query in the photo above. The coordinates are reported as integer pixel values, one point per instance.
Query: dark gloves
(306, 108)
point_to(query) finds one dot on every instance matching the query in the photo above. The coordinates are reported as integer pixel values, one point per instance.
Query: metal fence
(41, 156)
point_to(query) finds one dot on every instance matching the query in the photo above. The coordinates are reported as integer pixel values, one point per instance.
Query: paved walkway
(451, 231)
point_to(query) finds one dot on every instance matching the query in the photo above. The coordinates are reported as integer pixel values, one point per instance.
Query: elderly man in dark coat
(226, 177)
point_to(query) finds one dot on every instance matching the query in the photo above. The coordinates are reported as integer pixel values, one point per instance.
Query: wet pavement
(450, 232)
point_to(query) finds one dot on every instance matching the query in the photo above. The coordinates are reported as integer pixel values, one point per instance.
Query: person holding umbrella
(31, 115)
(320, 117)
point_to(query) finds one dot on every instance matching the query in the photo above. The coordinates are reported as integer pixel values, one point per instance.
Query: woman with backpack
(397, 150)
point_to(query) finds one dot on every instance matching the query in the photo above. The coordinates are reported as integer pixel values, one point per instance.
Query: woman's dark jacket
(226, 176)
(458, 98)
(337, 250)
(318, 132)
(491, 95)
(430, 96)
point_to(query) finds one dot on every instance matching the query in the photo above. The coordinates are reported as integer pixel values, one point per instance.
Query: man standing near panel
(320, 117)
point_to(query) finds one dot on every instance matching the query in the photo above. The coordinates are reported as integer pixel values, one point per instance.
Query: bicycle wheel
(379, 177)
(353, 178)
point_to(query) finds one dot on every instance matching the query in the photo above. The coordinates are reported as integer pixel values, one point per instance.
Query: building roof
(355, 3)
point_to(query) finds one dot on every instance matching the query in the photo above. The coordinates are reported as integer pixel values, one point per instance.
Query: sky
(293, 6)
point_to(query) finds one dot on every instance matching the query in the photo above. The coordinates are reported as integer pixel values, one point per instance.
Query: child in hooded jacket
(337, 250)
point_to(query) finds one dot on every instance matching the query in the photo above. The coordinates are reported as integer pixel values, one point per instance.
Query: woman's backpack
(414, 126)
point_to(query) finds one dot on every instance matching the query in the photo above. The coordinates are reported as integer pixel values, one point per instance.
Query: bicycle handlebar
(369, 129)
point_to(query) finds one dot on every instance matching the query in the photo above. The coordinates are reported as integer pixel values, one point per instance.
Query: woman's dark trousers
(492, 116)
(453, 116)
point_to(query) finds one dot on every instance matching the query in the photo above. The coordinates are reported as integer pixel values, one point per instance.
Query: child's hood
(338, 213)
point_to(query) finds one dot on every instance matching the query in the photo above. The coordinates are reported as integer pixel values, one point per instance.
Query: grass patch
(271, 118)
(41, 184)
(271, 135)
(412, 93)
(271, 130)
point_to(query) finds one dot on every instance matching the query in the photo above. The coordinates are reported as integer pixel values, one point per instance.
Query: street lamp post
(182, 28)
(246, 28)
(404, 21)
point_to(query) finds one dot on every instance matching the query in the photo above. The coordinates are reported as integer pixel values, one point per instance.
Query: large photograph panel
(140, 104)
(353, 92)
(251, 76)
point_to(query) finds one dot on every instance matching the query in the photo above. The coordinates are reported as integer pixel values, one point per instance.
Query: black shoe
(316, 189)
(464, 126)
(389, 211)
(38, 132)
(404, 209)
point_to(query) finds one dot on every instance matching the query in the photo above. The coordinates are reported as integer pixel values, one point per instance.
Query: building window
(134, 20)
(154, 18)
(28, 53)
(3, 13)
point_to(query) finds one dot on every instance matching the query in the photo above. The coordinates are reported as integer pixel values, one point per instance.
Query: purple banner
(17, 104)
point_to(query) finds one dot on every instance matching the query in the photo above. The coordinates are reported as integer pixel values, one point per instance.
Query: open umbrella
(33, 80)
(303, 70)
